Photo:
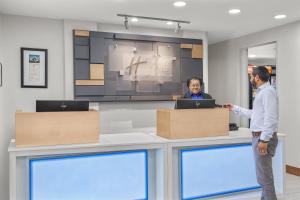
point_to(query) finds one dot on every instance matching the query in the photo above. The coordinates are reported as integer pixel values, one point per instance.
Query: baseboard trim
(293, 170)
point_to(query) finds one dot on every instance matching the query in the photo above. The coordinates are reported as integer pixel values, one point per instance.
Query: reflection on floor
(292, 191)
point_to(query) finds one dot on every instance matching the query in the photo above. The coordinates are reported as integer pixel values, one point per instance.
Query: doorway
(262, 55)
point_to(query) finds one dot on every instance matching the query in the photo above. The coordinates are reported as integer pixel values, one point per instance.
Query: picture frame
(34, 68)
(0, 74)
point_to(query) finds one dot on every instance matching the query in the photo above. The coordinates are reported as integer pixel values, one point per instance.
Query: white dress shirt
(264, 115)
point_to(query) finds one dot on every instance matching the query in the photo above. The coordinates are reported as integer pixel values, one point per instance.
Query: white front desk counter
(140, 166)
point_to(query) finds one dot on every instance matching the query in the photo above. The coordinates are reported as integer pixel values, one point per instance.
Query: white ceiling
(205, 15)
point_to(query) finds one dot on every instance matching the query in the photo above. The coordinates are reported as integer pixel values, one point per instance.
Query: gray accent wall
(162, 66)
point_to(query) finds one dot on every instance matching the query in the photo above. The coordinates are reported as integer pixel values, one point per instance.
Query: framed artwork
(34, 64)
(0, 74)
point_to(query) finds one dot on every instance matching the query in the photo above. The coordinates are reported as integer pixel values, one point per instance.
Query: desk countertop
(142, 138)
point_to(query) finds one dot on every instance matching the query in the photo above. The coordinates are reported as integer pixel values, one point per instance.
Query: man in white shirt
(264, 120)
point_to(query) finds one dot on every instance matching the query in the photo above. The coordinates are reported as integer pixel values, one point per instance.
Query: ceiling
(206, 15)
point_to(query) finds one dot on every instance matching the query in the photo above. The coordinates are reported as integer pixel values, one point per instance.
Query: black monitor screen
(195, 103)
(57, 106)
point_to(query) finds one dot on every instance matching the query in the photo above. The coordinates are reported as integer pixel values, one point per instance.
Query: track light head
(126, 22)
(178, 28)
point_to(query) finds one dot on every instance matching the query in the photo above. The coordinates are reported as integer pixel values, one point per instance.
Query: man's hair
(194, 78)
(262, 73)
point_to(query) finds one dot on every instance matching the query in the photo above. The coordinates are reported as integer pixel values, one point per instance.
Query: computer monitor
(195, 103)
(61, 105)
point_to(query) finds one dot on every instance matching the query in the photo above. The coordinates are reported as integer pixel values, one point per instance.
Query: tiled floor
(292, 188)
(292, 191)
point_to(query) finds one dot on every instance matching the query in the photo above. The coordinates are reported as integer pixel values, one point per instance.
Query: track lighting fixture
(169, 21)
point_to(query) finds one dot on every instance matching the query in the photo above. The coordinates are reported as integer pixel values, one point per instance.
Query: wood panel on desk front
(56, 128)
(192, 123)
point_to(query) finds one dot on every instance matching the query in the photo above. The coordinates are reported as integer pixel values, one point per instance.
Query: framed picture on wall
(0, 74)
(34, 64)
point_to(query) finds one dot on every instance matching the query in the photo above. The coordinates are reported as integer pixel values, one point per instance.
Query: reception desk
(164, 169)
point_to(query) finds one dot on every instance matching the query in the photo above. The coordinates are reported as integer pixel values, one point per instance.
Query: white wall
(3, 137)
(226, 75)
(27, 32)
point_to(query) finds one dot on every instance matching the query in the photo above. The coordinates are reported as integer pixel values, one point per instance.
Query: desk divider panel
(114, 175)
(232, 171)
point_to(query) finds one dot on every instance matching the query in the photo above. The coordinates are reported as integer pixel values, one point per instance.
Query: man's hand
(262, 148)
(229, 105)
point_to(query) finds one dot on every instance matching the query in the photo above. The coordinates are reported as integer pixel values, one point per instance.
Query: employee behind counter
(192, 98)
(194, 85)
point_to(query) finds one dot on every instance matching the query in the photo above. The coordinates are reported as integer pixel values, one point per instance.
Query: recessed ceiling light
(279, 16)
(179, 4)
(134, 19)
(234, 11)
(252, 56)
(169, 23)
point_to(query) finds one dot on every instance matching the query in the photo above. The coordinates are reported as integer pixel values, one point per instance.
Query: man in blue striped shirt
(264, 121)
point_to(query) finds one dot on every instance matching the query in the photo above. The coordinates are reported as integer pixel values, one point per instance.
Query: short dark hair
(262, 73)
(194, 78)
